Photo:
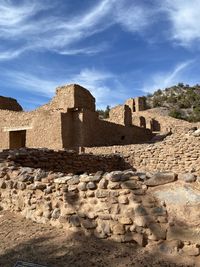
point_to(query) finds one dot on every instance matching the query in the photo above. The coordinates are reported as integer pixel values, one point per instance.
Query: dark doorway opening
(17, 139)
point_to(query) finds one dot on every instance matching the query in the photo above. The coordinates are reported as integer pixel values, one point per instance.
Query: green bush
(175, 113)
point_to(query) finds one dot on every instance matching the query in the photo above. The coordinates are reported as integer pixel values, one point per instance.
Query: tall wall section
(101, 132)
(43, 129)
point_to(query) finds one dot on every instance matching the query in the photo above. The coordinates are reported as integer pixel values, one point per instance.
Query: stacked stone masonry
(179, 152)
(64, 161)
(117, 205)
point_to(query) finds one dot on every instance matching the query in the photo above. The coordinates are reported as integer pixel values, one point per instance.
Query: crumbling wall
(71, 96)
(136, 104)
(165, 122)
(64, 161)
(100, 132)
(178, 152)
(121, 114)
(8, 103)
(120, 205)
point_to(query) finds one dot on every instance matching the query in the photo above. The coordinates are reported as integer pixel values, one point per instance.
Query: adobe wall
(70, 96)
(165, 122)
(102, 132)
(8, 103)
(124, 206)
(120, 114)
(43, 129)
(178, 153)
(136, 104)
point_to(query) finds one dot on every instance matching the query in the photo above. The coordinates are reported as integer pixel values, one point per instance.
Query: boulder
(114, 176)
(161, 178)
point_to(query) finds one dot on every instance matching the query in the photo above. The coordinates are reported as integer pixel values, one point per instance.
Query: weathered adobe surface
(178, 152)
(124, 206)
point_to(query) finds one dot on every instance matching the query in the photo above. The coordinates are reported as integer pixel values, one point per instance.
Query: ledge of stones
(113, 205)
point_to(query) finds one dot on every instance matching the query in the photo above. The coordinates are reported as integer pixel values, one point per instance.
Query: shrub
(175, 113)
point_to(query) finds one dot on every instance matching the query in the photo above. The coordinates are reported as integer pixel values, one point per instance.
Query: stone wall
(118, 205)
(164, 123)
(8, 103)
(64, 161)
(178, 152)
(121, 114)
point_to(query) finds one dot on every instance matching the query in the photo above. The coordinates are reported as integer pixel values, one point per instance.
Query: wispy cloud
(90, 50)
(163, 80)
(30, 83)
(184, 19)
(48, 32)
(134, 16)
(104, 86)
(59, 34)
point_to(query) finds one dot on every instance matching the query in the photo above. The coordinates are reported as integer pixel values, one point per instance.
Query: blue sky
(115, 48)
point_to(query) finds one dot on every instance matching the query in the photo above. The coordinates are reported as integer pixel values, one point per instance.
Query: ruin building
(68, 121)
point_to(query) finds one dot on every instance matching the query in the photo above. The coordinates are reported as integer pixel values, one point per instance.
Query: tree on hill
(182, 100)
(104, 114)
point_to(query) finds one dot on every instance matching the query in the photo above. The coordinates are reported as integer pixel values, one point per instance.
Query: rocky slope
(181, 101)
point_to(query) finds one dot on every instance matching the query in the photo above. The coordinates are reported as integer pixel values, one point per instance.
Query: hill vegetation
(182, 101)
(104, 114)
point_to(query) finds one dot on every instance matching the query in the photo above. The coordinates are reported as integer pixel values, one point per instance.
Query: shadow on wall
(155, 125)
(65, 161)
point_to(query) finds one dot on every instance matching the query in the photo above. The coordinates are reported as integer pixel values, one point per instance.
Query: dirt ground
(22, 239)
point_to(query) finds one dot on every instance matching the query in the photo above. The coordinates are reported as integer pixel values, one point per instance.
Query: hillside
(181, 101)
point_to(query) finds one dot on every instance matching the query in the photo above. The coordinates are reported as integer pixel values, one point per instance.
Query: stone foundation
(123, 206)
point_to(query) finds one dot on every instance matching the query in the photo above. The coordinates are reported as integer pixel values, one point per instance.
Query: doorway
(17, 139)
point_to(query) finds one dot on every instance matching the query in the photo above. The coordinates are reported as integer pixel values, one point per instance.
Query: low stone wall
(179, 152)
(64, 161)
(118, 205)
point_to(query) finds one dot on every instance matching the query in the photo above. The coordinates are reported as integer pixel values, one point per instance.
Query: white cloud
(95, 81)
(19, 28)
(10, 54)
(134, 17)
(163, 80)
(62, 34)
(91, 50)
(30, 83)
(104, 86)
(49, 32)
(184, 18)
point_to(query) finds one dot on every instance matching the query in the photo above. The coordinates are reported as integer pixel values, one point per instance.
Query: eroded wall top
(71, 96)
(8, 103)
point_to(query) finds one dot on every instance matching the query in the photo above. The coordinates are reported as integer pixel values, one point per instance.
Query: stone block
(161, 178)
